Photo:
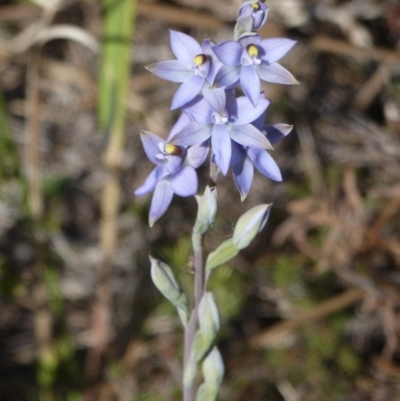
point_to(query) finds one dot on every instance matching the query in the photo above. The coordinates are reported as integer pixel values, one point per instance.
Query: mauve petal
(228, 53)
(184, 47)
(197, 154)
(151, 181)
(259, 122)
(183, 120)
(151, 144)
(249, 39)
(187, 91)
(238, 153)
(265, 164)
(207, 46)
(246, 10)
(199, 110)
(227, 76)
(161, 200)
(212, 73)
(248, 135)
(276, 132)
(184, 181)
(230, 96)
(192, 134)
(260, 16)
(171, 70)
(275, 73)
(221, 146)
(148, 185)
(242, 111)
(275, 48)
(243, 173)
(250, 83)
(216, 98)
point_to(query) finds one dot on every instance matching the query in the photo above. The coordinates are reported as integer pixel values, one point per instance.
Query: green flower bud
(208, 207)
(208, 316)
(249, 225)
(213, 372)
(207, 392)
(163, 278)
(213, 368)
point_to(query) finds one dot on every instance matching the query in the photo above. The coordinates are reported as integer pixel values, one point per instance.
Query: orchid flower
(192, 67)
(223, 118)
(250, 59)
(175, 172)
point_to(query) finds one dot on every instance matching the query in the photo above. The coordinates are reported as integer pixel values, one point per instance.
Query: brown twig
(269, 336)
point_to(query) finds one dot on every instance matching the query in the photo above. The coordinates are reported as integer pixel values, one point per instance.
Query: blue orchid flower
(175, 172)
(252, 15)
(193, 67)
(250, 59)
(223, 118)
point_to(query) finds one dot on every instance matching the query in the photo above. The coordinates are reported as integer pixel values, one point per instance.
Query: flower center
(252, 50)
(256, 6)
(200, 65)
(200, 59)
(250, 55)
(168, 150)
(219, 119)
(172, 150)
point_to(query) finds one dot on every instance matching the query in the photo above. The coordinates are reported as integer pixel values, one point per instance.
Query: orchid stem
(190, 332)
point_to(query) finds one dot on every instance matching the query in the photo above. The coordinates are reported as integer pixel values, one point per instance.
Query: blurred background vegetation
(311, 311)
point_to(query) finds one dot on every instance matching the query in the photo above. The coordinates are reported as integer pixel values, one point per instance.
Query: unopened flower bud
(207, 392)
(213, 368)
(163, 278)
(249, 225)
(208, 316)
(208, 206)
(213, 372)
(257, 10)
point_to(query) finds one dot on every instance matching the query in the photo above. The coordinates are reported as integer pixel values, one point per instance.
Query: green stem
(190, 332)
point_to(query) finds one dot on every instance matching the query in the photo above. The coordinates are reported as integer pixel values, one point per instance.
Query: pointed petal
(275, 48)
(199, 110)
(250, 83)
(221, 146)
(259, 122)
(183, 120)
(161, 200)
(197, 154)
(241, 110)
(184, 47)
(227, 76)
(151, 181)
(184, 181)
(265, 164)
(228, 53)
(171, 70)
(192, 134)
(276, 132)
(151, 143)
(212, 73)
(238, 153)
(216, 98)
(276, 73)
(187, 91)
(243, 174)
(248, 135)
